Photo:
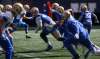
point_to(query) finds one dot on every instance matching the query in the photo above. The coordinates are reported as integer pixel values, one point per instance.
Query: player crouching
(46, 24)
(74, 33)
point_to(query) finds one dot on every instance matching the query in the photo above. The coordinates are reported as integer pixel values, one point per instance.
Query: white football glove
(76, 36)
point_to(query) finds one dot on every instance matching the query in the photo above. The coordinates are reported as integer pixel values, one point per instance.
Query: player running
(86, 17)
(47, 25)
(74, 33)
(5, 42)
(18, 19)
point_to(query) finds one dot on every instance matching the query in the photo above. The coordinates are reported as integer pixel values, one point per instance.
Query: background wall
(94, 5)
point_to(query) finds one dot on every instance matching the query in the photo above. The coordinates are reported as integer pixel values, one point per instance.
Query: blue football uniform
(86, 20)
(4, 37)
(47, 25)
(46, 22)
(56, 16)
(18, 22)
(74, 33)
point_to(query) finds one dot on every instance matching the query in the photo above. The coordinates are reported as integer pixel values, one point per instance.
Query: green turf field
(34, 48)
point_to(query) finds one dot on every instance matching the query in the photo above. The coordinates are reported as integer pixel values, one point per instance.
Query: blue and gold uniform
(86, 20)
(5, 42)
(18, 22)
(47, 25)
(74, 33)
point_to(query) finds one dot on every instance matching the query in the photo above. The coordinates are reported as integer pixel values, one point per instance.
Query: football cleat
(49, 48)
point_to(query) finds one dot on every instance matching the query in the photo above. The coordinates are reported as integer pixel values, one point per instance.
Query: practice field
(34, 48)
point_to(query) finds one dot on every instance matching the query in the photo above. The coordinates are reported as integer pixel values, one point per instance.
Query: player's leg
(10, 37)
(8, 48)
(96, 49)
(87, 43)
(43, 35)
(56, 34)
(26, 27)
(88, 27)
(90, 49)
(71, 49)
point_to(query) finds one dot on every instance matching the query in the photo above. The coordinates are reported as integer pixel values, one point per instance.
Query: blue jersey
(72, 27)
(56, 15)
(45, 19)
(4, 23)
(17, 19)
(45, 22)
(83, 33)
(86, 17)
(86, 20)
(5, 42)
(18, 22)
(75, 33)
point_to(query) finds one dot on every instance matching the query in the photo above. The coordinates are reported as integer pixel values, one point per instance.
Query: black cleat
(49, 48)
(27, 36)
(76, 57)
(87, 54)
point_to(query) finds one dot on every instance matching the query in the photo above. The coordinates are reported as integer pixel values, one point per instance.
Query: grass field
(34, 48)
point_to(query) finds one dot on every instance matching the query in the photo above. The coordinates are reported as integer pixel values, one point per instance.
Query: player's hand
(76, 36)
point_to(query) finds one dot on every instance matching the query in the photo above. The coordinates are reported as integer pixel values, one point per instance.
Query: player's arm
(25, 17)
(39, 24)
(95, 18)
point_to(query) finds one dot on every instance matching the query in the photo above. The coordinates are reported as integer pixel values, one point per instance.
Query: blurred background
(93, 5)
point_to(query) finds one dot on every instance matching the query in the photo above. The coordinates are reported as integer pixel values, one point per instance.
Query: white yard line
(37, 58)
